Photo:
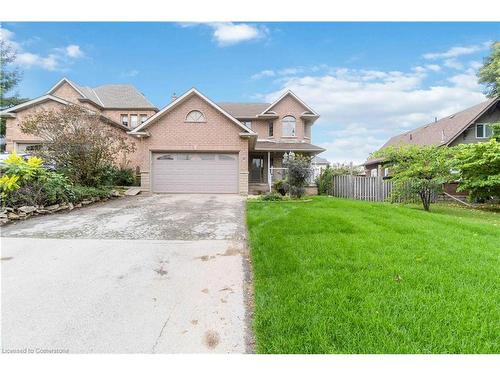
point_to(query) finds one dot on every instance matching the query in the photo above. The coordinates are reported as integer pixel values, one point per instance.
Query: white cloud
(264, 74)
(74, 51)
(457, 51)
(454, 64)
(433, 67)
(54, 60)
(228, 33)
(361, 109)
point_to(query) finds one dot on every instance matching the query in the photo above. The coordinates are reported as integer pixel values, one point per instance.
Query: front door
(257, 169)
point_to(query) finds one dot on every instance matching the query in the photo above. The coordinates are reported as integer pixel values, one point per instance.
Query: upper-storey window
(195, 116)
(248, 124)
(270, 129)
(143, 118)
(483, 131)
(133, 121)
(307, 130)
(124, 120)
(288, 126)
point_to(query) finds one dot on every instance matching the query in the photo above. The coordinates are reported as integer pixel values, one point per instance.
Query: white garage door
(195, 173)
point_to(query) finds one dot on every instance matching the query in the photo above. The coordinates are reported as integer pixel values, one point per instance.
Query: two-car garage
(183, 172)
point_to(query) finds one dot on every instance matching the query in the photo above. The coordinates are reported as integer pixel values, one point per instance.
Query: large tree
(79, 142)
(9, 79)
(489, 74)
(420, 170)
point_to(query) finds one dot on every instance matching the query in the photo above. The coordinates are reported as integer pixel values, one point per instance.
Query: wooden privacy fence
(374, 189)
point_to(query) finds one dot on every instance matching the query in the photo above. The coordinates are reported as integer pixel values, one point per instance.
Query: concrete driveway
(145, 274)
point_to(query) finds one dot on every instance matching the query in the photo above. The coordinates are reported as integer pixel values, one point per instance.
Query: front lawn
(342, 276)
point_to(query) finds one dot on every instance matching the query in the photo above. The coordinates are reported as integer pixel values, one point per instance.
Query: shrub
(324, 181)
(8, 184)
(299, 170)
(281, 186)
(272, 197)
(113, 176)
(81, 193)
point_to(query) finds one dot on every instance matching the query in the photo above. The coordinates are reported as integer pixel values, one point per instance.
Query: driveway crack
(157, 341)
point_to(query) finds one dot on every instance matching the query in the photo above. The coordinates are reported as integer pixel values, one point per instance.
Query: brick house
(192, 145)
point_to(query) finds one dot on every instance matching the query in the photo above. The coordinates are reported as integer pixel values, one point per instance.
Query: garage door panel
(195, 173)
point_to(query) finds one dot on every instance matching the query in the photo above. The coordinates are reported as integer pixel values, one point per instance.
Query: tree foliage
(420, 170)
(479, 168)
(78, 142)
(299, 170)
(489, 74)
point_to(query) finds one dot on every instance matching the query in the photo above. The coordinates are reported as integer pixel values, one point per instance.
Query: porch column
(269, 170)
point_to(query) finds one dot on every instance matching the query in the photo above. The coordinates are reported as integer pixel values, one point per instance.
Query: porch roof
(287, 146)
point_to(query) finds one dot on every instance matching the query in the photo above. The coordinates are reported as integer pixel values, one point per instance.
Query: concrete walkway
(145, 274)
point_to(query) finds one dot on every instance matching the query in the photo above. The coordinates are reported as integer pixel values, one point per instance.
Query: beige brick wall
(172, 133)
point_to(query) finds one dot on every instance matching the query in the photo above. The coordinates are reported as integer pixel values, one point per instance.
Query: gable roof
(181, 99)
(444, 131)
(119, 96)
(29, 103)
(285, 94)
(244, 110)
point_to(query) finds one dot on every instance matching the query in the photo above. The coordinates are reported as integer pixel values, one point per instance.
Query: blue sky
(368, 80)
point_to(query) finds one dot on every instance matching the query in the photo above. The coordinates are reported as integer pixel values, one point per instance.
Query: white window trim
(484, 124)
(283, 127)
(195, 122)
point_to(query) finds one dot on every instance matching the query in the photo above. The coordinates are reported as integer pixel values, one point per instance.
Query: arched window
(288, 126)
(195, 116)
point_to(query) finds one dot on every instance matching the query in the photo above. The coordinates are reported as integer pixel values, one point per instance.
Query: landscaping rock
(54, 207)
(86, 202)
(4, 221)
(3, 215)
(42, 211)
(115, 193)
(12, 216)
(70, 206)
(9, 209)
(78, 205)
(27, 209)
(63, 207)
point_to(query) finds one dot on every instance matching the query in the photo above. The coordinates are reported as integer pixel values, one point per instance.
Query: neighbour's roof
(319, 160)
(244, 110)
(443, 131)
(287, 146)
(111, 96)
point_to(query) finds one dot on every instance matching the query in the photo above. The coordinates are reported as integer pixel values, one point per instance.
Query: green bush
(324, 181)
(81, 193)
(299, 170)
(281, 186)
(272, 197)
(113, 176)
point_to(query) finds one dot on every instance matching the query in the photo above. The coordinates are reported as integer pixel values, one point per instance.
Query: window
(271, 129)
(483, 131)
(183, 157)
(248, 124)
(195, 116)
(373, 173)
(207, 156)
(288, 126)
(144, 118)
(124, 120)
(133, 121)
(307, 130)
(386, 172)
(226, 157)
(165, 157)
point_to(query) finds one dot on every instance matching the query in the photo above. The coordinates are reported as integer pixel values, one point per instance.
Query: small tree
(78, 142)
(299, 170)
(419, 170)
(479, 168)
(489, 74)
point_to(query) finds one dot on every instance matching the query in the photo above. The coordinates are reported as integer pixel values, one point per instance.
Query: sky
(368, 81)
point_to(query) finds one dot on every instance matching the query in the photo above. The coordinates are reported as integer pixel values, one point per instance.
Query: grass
(342, 276)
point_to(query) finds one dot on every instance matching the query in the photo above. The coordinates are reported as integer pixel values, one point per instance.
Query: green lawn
(342, 276)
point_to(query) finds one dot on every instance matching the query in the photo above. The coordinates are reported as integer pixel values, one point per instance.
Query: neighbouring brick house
(468, 126)
(192, 145)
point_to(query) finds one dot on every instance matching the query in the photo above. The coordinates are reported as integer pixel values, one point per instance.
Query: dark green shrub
(324, 181)
(299, 170)
(113, 176)
(281, 186)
